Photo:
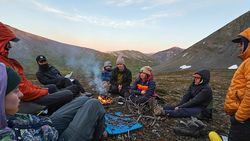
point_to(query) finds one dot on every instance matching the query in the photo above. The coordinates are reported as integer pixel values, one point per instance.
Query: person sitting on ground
(47, 95)
(81, 119)
(144, 86)
(48, 74)
(195, 101)
(120, 78)
(105, 75)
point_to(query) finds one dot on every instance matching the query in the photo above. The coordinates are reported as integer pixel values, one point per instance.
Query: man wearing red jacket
(47, 95)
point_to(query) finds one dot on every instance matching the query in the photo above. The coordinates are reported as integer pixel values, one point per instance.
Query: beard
(44, 67)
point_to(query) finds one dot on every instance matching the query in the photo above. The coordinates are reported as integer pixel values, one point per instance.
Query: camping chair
(208, 108)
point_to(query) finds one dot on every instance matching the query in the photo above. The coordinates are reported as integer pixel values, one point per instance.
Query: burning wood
(105, 99)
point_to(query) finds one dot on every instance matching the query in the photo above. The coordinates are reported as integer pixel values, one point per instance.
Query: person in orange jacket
(237, 103)
(47, 95)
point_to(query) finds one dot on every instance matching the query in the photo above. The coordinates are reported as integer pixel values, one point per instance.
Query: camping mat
(118, 125)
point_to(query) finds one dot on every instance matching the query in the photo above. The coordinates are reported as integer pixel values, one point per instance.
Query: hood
(205, 74)
(246, 53)
(5, 36)
(107, 63)
(3, 82)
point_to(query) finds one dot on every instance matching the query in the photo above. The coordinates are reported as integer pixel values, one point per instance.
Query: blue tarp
(118, 125)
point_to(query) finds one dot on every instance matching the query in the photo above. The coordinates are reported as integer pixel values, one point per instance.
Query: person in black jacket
(120, 78)
(48, 74)
(196, 99)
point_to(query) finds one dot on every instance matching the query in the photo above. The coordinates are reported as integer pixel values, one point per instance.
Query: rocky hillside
(69, 58)
(216, 51)
(167, 54)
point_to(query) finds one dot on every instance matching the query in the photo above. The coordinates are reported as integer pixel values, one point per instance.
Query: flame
(104, 99)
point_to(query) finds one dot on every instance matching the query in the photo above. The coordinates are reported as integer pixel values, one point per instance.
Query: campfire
(105, 99)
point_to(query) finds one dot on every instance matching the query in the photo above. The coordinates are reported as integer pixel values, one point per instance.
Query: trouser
(181, 112)
(67, 84)
(55, 99)
(114, 90)
(81, 119)
(239, 131)
(136, 98)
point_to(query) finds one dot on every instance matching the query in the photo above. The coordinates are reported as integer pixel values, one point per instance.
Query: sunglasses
(197, 77)
(42, 61)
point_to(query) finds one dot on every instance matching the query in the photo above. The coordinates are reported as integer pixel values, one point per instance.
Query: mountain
(216, 51)
(69, 58)
(167, 54)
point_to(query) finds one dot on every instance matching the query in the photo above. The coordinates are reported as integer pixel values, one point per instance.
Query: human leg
(181, 112)
(80, 87)
(114, 89)
(51, 88)
(55, 100)
(239, 131)
(81, 119)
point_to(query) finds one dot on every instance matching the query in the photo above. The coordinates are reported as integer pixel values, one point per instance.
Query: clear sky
(147, 26)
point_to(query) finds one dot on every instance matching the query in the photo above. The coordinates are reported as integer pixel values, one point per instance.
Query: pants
(66, 83)
(181, 112)
(81, 119)
(55, 99)
(114, 90)
(136, 98)
(239, 131)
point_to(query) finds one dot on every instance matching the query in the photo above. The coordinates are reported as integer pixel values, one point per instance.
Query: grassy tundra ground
(171, 86)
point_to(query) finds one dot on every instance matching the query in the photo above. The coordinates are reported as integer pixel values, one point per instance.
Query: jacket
(140, 85)
(49, 77)
(22, 126)
(126, 77)
(238, 96)
(105, 76)
(29, 90)
(198, 95)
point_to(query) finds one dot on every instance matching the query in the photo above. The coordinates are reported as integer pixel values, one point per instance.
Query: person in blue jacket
(144, 86)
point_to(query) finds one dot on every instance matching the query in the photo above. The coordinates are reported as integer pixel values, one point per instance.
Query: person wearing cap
(120, 78)
(144, 86)
(47, 95)
(48, 74)
(105, 75)
(80, 119)
(197, 98)
(237, 102)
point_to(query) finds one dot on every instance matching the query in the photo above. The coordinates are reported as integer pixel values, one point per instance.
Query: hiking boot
(158, 110)
(152, 102)
(121, 100)
(104, 135)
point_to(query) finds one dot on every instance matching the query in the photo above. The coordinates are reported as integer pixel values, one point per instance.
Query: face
(241, 46)
(107, 67)
(11, 101)
(197, 80)
(143, 76)
(42, 62)
(8, 46)
(120, 66)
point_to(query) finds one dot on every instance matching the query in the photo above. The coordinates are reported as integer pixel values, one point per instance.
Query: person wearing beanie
(237, 102)
(48, 74)
(197, 99)
(120, 78)
(144, 86)
(81, 119)
(105, 76)
(47, 95)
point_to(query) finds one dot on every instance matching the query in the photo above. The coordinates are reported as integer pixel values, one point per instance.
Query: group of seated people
(72, 115)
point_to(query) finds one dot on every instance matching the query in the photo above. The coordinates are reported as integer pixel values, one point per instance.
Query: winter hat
(13, 79)
(120, 60)
(107, 63)
(146, 69)
(40, 58)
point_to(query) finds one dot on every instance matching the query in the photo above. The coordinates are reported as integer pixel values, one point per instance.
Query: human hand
(45, 88)
(143, 92)
(102, 69)
(176, 108)
(119, 88)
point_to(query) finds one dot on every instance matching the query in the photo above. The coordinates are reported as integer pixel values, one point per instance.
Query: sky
(147, 26)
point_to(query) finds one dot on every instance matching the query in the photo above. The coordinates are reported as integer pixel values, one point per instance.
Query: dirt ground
(171, 86)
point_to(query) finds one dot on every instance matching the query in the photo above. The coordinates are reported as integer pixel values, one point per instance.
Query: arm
(44, 79)
(151, 88)
(186, 97)
(129, 78)
(113, 78)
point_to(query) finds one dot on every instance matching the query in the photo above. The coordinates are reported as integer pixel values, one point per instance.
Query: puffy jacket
(198, 95)
(105, 76)
(238, 96)
(126, 77)
(29, 90)
(140, 85)
(49, 77)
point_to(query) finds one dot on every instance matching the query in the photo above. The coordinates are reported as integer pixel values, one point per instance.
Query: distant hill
(167, 54)
(69, 58)
(216, 51)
